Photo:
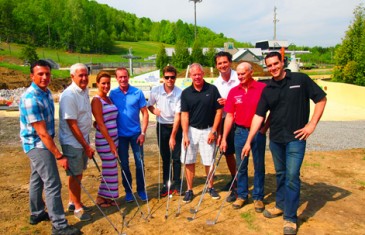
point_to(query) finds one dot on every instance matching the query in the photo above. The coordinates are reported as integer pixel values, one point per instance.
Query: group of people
(229, 115)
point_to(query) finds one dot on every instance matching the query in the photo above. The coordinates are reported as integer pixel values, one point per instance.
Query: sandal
(111, 202)
(103, 203)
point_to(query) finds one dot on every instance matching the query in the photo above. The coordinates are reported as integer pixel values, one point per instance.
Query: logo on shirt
(238, 99)
(296, 86)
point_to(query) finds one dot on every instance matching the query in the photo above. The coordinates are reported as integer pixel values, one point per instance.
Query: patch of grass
(363, 158)
(362, 183)
(311, 164)
(142, 49)
(249, 218)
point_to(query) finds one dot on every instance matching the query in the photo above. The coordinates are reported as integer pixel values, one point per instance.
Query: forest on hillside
(87, 26)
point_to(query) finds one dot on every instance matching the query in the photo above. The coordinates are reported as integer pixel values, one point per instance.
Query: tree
(350, 55)
(29, 54)
(209, 56)
(197, 53)
(181, 57)
(162, 59)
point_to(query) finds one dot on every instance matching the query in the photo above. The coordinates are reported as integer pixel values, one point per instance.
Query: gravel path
(334, 135)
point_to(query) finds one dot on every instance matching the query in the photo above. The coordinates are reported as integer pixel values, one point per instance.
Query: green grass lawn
(64, 58)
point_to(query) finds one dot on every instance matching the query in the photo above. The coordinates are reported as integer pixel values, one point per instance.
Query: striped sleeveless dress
(109, 162)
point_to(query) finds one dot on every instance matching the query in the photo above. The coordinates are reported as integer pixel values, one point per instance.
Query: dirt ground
(332, 196)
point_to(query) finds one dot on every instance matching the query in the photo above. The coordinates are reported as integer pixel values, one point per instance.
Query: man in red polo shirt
(240, 107)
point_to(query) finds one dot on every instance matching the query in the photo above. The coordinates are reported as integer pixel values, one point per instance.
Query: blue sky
(302, 22)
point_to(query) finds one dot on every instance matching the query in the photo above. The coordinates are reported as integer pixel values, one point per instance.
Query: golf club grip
(96, 164)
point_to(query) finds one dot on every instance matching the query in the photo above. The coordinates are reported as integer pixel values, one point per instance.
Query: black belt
(243, 127)
(165, 125)
(202, 127)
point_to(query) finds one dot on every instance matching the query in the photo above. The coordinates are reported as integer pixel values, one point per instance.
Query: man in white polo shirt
(75, 125)
(225, 82)
(165, 103)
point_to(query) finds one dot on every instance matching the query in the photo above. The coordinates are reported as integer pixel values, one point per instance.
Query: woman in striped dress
(106, 140)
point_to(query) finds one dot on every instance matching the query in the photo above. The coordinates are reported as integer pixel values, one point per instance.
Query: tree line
(87, 26)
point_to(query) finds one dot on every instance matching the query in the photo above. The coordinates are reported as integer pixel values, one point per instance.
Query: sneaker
(163, 192)
(290, 227)
(189, 195)
(232, 196)
(129, 197)
(259, 206)
(239, 203)
(213, 193)
(69, 230)
(228, 185)
(33, 220)
(272, 212)
(71, 208)
(142, 195)
(82, 216)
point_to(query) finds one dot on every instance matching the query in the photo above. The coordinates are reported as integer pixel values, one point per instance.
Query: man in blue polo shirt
(287, 97)
(37, 130)
(130, 101)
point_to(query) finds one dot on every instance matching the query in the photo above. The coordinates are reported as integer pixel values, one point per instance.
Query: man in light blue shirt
(130, 101)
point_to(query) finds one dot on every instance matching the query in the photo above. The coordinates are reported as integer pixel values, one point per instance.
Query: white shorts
(198, 141)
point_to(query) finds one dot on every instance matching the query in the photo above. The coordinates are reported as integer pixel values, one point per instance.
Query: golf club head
(177, 214)
(166, 217)
(211, 222)
(193, 210)
(190, 218)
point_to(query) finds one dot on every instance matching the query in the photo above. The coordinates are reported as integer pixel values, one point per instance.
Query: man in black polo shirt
(287, 96)
(200, 117)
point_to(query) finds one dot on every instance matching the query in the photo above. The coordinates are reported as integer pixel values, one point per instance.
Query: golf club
(209, 177)
(181, 183)
(134, 197)
(159, 162)
(116, 204)
(144, 182)
(213, 222)
(168, 187)
(91, 198)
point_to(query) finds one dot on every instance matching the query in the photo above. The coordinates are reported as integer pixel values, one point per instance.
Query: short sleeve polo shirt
(129, 105)
(201, 105)
(288, 102)
(243, 103)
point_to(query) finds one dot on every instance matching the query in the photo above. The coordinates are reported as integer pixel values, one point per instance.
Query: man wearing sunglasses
(164, 102)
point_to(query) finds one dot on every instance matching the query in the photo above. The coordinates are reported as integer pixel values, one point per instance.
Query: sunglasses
(169, 77)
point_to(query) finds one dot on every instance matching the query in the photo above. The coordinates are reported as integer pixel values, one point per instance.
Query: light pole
(195, 1)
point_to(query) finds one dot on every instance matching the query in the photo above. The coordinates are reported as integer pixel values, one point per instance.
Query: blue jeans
(123, 148)
(258, 151)
(288, 159)
(44, 177)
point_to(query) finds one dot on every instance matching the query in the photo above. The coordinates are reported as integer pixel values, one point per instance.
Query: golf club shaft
(130, 187)
(230, 188)
(209, 177)
(91, 198)
(107, 186)
(168, 187)
(144, 179)
(181, 183)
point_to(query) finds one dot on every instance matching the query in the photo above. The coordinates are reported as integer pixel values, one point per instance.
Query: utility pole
(275, 21)
(195, 1)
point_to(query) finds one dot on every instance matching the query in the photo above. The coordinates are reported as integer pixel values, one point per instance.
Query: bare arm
(41, 129)
(154, 110)
(142, 137)
(175, 128)
(228, 122)
(97, 110)
(72, 123)
(185, 128)
(308, 129)
(217, 120)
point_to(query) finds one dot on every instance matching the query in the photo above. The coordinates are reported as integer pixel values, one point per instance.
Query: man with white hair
(75, 125)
